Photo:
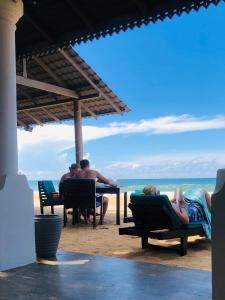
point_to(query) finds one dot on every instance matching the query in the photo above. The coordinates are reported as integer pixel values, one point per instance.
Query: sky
(172, 77)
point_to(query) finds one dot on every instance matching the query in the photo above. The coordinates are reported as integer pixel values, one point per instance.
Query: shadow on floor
(81, 276)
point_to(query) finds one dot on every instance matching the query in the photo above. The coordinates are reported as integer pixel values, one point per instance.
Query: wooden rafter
(86, 76)
(75, 7)
(46, 87)
(28, 114)
(58, 80)
(83, 106)
(24, 67)
(56, 103)
(49, 71)
(51, 115)
(27, 96)
(70, 111)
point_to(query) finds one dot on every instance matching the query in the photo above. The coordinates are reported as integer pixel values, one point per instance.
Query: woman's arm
(181, 211)
(182, 214)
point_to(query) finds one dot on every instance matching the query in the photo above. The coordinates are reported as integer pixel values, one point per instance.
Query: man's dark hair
(74, 166)
(84, 163)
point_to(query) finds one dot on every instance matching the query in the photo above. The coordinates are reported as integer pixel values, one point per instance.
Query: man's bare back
(86, 172)
(92, 174)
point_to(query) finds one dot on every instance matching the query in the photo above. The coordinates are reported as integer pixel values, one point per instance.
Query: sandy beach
(105, 240)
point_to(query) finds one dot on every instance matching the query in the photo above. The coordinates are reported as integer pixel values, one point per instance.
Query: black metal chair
(80, 195)
(48, 195)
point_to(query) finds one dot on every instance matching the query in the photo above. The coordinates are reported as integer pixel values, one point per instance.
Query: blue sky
(172, 77)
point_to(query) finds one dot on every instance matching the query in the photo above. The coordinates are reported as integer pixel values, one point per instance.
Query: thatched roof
(51, 24)
(48, 85)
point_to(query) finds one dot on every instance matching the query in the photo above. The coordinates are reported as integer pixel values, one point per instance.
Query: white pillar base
(17, 242)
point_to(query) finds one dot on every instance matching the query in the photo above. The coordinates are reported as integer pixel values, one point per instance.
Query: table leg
(118, 208)
(125, 205)
(75, 216)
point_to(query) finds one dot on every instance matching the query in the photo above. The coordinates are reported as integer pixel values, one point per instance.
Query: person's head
(73, 168)
(150, 190)
(84, 164)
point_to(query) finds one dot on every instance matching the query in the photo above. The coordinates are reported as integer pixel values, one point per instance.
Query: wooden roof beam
(70, 111)
(47, 69)
(86, 76)
(46, 87)
(27, 96)
(24, 67)
(51, 115)
(88, 110)
(56, 103)
(75, 7)
(29, 115)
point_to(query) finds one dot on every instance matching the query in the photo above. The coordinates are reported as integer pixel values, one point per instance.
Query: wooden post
(78, 131)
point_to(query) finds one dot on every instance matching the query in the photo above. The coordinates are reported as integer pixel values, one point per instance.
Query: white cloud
(87, 155)
(123, 165)
(44, 148)
(179, 165)
(62, 136)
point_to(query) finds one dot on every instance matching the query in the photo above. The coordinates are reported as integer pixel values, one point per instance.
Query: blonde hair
(150, 190)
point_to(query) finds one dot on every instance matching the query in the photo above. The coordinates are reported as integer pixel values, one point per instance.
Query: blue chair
(47, 197)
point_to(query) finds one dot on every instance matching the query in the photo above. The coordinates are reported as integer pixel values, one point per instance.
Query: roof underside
(51, 24)
(38, 106)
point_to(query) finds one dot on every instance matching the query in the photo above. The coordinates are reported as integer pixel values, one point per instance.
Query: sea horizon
(163, 184)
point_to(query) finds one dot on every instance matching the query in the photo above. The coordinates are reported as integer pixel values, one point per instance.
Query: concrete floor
(81, 276)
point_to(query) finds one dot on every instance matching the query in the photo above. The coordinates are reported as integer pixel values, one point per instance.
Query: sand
(105, 240)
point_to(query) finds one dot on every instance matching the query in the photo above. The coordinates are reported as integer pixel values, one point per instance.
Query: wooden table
(115, 191)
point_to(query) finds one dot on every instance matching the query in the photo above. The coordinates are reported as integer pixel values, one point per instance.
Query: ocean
(164, 185)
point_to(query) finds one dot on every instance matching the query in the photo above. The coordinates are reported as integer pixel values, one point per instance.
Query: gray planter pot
(47, 234)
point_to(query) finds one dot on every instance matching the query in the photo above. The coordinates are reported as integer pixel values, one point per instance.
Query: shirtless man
(74, 169)
(86, 172)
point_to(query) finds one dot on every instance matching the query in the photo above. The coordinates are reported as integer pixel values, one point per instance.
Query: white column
(17, 246)
(218, 237)
(78, 131)
(10, 12)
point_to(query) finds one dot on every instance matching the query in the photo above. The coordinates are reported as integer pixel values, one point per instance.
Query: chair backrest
(45, 188)
(154, 212)
(79, 193)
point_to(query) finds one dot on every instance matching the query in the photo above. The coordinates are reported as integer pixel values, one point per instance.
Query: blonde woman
(194, 206)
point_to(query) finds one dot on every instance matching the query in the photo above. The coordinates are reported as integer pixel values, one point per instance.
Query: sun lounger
(48, 195)
(155, 218)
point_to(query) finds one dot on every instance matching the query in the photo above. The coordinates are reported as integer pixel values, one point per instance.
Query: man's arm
(62, 178)
(103, 179)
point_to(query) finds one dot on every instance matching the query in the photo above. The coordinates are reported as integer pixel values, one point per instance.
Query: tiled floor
(80, 276)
